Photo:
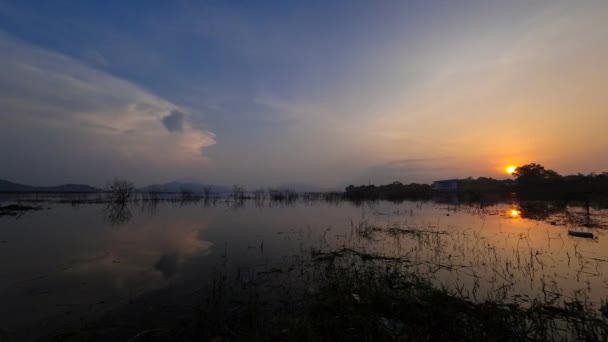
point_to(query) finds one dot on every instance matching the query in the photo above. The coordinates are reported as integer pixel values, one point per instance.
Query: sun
(510, 169)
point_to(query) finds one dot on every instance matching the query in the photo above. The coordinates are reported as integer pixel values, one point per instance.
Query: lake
(69, 262)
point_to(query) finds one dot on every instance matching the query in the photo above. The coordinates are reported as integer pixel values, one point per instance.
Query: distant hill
(180, 186)
(71, 188)
(6, 186)
(170, 187)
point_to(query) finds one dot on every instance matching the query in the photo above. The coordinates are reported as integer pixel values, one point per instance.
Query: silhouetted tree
(207, 192)
(395, 191)
(120, 191)
(534, 174)
(238, 192)
(187, 195)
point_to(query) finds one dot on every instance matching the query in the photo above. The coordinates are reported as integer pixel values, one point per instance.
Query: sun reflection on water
(514, 213)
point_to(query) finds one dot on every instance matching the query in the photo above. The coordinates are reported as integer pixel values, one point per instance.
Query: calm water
(64, 263)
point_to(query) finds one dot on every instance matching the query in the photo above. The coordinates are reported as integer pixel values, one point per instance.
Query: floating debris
(413, 231)
(579, 233)
(15, 209)
(19, 207)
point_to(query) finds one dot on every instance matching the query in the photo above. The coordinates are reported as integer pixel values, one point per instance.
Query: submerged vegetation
(370, 299)
(16, 209)
(353, 293)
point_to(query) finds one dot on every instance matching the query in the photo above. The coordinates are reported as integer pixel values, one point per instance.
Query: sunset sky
(319, 92)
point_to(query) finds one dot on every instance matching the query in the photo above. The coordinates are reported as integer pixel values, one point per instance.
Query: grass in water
(347, 295)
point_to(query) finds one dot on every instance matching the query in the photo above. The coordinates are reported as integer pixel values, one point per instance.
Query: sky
(327, 93)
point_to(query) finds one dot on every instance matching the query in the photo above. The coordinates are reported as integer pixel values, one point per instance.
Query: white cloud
(43, 90)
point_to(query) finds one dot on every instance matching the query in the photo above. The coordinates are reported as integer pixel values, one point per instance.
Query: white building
(445, 185)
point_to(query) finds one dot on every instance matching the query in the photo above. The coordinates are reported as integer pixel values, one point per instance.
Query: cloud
(86, 113)
(167, 264)
(162, 247)
(175, 121)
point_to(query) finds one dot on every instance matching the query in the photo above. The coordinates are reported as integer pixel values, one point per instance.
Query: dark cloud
(175, 121)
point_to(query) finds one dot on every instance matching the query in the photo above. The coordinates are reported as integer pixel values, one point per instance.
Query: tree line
(528, 181)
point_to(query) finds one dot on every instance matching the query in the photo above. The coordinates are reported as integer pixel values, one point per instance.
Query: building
(445, 185)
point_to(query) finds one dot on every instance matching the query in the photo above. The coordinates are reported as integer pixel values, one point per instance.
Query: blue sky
(265, 93)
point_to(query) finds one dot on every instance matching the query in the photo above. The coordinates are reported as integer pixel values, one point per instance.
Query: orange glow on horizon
(514, 213)
(510, 169)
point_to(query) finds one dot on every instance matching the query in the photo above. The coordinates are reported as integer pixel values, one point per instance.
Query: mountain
(6, 186)
(180, 186)
(71, 188)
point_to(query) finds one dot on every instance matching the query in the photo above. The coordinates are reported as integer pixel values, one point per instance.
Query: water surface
(69, 262)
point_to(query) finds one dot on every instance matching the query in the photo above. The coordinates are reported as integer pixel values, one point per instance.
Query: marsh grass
(355, 293)
(350, 290)
(362, 227)
(353, 296)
